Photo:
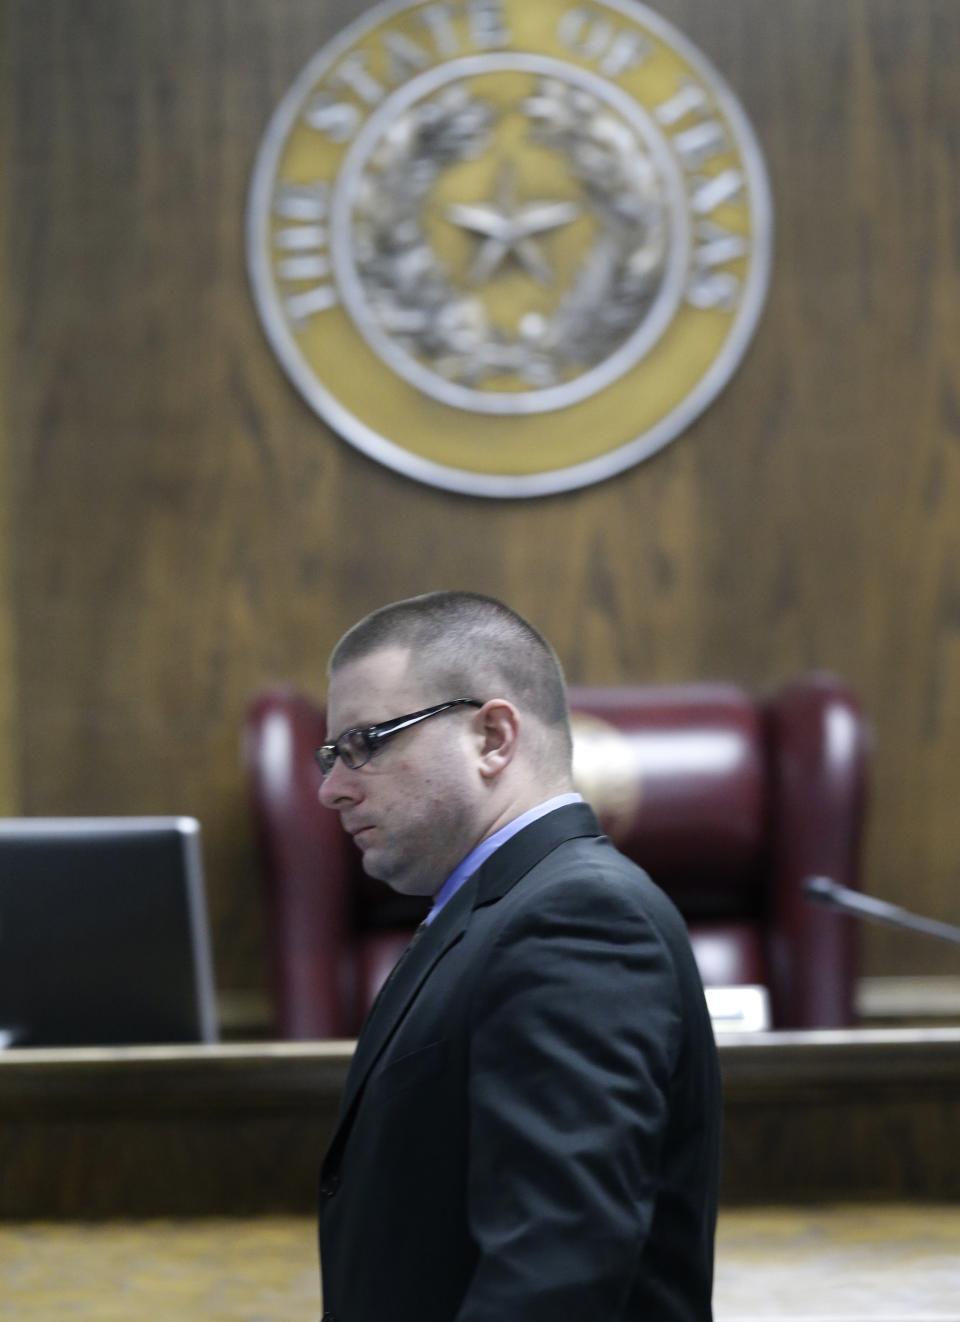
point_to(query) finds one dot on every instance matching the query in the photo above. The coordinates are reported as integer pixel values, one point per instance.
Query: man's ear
(498, 723)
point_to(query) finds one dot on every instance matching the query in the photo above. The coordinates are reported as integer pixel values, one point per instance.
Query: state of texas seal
(509, 247)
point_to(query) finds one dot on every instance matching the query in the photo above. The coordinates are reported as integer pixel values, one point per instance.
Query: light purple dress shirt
(481, 852)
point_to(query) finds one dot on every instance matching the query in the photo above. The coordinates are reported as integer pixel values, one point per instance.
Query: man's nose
(338, 787)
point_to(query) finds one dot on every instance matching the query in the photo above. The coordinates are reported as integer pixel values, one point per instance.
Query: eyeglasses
(356, 747)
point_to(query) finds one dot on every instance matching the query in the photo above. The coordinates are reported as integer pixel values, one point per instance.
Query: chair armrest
(312, 963)
(817, 741)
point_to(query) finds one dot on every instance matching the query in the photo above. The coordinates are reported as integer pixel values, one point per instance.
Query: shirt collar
(481, 852)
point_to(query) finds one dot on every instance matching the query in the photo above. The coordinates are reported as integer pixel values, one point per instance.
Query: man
(529, 1130)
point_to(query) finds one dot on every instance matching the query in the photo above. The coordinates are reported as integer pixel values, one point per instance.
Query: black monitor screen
(103, 933)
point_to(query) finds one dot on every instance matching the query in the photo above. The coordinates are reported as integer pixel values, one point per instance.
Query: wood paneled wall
(186, 530)
(8, 741)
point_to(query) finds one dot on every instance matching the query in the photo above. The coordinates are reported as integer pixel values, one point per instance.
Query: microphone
(835, 896)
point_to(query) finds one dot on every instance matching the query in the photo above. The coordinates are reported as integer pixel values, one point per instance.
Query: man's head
(435, 789)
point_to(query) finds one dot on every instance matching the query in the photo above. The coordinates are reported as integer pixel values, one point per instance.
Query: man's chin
(399, 879)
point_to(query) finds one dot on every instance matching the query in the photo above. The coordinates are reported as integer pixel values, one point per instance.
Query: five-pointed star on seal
(508, 228)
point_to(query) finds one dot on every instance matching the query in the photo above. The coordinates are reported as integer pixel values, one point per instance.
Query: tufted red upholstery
(727, 801)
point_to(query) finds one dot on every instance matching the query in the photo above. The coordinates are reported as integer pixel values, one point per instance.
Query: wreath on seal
(415, 303)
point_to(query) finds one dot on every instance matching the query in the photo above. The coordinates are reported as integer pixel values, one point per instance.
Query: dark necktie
(396, 968)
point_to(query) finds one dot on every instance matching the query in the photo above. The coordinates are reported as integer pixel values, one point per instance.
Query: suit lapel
(502, 870)
(498, 874)
(402, 986)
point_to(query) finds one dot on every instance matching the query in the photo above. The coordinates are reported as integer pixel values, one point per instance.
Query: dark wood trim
(839, 1064)
(65, 1083)
(241, 1128)
(768, 1066)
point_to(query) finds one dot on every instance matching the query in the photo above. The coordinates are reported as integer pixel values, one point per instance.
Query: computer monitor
(103, 932)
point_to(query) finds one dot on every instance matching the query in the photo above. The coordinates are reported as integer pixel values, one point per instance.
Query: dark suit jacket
(529, 1131)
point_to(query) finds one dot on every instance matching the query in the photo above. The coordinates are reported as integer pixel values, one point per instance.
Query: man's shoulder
(589, 871)
(587, 903)
(595, 859)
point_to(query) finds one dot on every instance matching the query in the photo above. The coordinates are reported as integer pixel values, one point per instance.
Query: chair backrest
(729, 802)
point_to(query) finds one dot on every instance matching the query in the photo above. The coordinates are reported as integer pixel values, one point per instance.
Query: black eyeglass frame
(371, 738)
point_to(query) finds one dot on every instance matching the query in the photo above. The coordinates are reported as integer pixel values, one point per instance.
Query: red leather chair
(729, 802)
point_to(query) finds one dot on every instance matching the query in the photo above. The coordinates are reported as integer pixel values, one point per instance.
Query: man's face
(413, 810)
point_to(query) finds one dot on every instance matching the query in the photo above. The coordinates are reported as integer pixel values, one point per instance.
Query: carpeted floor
(882, 1263)
(885, 1264)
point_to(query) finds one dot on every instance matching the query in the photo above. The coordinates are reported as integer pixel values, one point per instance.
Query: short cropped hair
(467, 645)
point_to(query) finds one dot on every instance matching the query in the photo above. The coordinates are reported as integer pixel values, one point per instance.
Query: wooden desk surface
(239, 1129)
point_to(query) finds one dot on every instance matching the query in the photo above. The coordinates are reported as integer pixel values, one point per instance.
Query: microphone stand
(834, 896)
